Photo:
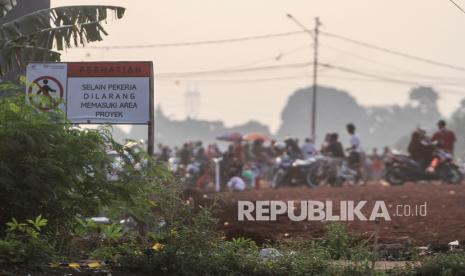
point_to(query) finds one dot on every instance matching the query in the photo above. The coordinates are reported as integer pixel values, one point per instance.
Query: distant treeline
(378, 126)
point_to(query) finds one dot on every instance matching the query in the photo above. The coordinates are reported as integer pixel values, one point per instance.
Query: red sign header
(109, 69)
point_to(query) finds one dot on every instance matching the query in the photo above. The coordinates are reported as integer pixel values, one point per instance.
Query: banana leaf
(36, 37)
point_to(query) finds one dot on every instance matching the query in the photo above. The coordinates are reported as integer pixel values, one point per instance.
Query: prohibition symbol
(51, 91)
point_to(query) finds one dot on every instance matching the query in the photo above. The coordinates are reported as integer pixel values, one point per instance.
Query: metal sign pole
(151, 125)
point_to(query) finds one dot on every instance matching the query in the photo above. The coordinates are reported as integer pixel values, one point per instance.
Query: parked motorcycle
(401, 168)
(293, 172)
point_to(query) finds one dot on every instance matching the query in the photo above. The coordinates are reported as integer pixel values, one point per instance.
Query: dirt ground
(444, 221)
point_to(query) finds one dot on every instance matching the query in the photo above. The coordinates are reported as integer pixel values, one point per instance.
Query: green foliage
(24, 242)
(29, 229)
(115, 252)
(442, 265)
(142, 188)
(32, 37)
(9, 89)
(6, 6)
(112, 232)
(109, 233)
(85, 227)
(243, 243)
(337, 241)
(69, 174)
(236, 257)
(62, 171)
(47, 168)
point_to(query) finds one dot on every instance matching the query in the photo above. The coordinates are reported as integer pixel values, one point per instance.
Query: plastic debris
(94, 265)
(453, 244)
(79, 265)
(269, 253)
(100, 220)
(158, 246)
(74, 265)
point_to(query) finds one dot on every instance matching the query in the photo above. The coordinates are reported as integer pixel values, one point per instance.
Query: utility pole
(314, 34)
(315, 75)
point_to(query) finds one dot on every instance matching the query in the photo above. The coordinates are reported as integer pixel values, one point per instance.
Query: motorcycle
(336, 173)
(401, 168)
(296, 172)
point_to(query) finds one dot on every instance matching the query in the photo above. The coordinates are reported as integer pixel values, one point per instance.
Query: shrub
(337, 241)
(25, 244)
(443, 265)
(49, 168)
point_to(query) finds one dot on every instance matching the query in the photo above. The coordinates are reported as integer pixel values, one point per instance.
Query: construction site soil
(444, 220)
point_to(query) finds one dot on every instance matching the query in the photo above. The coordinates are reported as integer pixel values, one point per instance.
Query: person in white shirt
(308, 149)
(236, 184)
(355, 143)
(356, 155)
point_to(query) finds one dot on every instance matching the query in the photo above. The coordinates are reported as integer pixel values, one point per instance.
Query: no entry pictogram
(45, 86)
(116, 92)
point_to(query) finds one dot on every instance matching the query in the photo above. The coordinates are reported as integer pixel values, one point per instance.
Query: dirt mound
(444, 220)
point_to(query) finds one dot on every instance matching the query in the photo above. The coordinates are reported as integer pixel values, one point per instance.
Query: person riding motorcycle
(334, 151)
(421, 148)
(293, 149)
(334, 148)
(427, 161)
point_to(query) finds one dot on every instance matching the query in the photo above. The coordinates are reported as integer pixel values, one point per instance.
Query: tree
(46, 168)
(457, 124)
(36, 37)
(335, 109)
(6, 6)
(425, 98)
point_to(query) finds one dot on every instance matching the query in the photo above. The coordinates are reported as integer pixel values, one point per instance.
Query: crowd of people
(248, 164)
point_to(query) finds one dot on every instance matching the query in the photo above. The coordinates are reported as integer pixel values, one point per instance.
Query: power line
(275, 57)
(228, 71)
(457, 5)
(360, 57)
(296, 21)
(178, 77)
(394, 52)
(369, 79)
(384, 79)
(406, 72)
(370, 75)
(195, 43)
(246, 80)
(325, 76)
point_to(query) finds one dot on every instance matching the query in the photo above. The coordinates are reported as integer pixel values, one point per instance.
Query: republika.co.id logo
(311, 210)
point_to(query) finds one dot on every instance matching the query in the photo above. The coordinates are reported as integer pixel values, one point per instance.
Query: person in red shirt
(445, 138)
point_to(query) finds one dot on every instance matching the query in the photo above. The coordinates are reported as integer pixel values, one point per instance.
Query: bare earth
(443, 223)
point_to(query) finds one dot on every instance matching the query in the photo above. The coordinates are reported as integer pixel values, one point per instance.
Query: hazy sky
(432, 29)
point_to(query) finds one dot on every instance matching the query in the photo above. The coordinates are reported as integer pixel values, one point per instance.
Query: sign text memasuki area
(103, 92)
(115, 92)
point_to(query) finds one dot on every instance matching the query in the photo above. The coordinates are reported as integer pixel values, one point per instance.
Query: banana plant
(6, 6)
(39, 36)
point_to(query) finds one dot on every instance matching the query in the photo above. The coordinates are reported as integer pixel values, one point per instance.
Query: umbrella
(253, 136)
(230, 137)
